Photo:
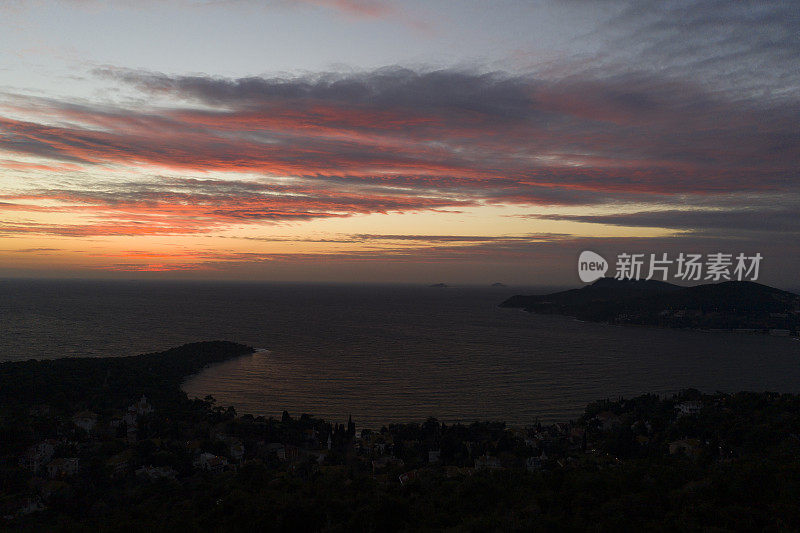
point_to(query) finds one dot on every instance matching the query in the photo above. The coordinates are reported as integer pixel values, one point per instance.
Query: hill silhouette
(726, 305)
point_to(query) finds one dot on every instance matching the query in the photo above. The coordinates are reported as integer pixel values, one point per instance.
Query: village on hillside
(62, 457)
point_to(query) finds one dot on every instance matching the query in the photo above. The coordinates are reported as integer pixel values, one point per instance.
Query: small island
(741, 306)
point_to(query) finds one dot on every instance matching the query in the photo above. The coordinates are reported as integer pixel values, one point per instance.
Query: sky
(385, 141)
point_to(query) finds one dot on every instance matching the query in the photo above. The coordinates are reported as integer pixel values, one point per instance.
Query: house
(379, 448)
(119, 464)
(533, 464)
(382, 462)
(292, 452)
(451, 471)
(278, 449)
(219, 432)
(142, 407)
(62, 467)
(237, 451)
(318, 455)
(471, 446)
(39, 410)
(608, 420)
(85, 420)
(31, 505)
(37, 455)
(130, 418)
(20, 506)
(577, 434)
(210, 462)
(689, 447)
(689, 408)
(154, 473)
(488, 462)
(408, 477)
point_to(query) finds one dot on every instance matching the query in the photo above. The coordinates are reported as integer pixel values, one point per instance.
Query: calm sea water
(385, 353)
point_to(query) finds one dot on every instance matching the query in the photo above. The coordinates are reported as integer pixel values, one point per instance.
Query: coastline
(107, 381)
(120, 431)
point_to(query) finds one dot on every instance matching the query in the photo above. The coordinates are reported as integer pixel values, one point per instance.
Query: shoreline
(755, 332)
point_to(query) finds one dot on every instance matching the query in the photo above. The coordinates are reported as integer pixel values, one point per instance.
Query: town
(193, 461)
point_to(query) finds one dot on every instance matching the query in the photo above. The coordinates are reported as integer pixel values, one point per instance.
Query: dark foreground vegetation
(113, 444)
(741, 306)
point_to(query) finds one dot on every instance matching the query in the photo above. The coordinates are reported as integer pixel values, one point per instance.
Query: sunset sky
(414, 141)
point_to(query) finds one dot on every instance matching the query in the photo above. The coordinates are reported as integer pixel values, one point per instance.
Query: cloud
(425, 239)
(637, 133)
(398, 140)
(358, 8)
(748, 46)
(781, 220)
(169, 206)
(553, 256)
(430, 249)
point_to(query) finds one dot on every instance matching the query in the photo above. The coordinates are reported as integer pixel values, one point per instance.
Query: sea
(385, 353)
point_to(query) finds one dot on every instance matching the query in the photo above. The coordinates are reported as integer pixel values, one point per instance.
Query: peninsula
(743, 306)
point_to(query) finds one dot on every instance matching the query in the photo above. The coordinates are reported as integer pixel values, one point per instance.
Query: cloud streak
(186, 206)
(781, 220)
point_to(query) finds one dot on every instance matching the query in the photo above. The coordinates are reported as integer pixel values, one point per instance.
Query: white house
(318, 455)
(210, 462)
(140, 408)
(689, 408)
